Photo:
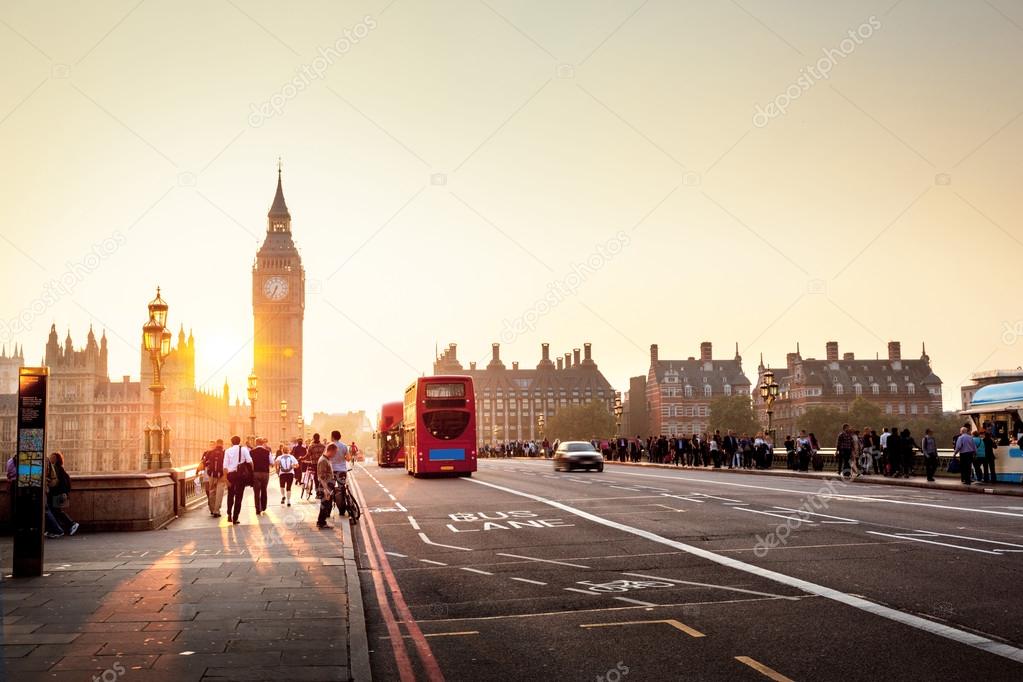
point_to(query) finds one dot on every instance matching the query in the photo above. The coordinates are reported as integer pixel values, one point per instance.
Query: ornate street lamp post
(769, 391)
(618, 409)
(300, 422)
(541, 423)
(156, 340)
(253, 391)
(284, 421)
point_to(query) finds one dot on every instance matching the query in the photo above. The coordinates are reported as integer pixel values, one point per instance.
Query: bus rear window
(446, 424)
(445, 390)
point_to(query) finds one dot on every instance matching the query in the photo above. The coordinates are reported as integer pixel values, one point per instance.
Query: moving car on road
(577, 454)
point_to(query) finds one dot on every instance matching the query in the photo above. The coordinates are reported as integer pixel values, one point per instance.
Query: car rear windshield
(446, 424)
(580, 447)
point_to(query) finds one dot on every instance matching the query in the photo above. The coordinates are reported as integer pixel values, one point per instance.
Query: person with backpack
(310, 466)
(60, 495)
(216, 482)
(286, 465)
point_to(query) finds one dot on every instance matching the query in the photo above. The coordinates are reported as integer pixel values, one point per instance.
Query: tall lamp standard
(300, 422)
(253, 391)
(619, 410)
(284, 421)
(156, 340)
(541, 424)
(769, 391)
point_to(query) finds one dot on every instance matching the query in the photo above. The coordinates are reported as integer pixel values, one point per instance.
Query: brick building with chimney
(508, 400)
(679, 392)
(900, 387)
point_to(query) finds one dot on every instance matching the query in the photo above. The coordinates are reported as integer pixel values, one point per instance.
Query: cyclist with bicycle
(310, 462)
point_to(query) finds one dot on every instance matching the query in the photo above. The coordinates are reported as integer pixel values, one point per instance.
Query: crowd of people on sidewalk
(320, 469)
(858, 452)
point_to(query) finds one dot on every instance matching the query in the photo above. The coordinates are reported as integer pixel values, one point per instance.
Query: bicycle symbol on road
(622, 585)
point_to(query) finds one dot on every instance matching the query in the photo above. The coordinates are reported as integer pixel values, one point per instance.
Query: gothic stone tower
(278, 306)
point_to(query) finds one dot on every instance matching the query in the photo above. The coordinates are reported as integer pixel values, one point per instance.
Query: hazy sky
(449, 164)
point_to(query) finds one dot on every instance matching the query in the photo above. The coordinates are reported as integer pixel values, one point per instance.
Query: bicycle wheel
(354, 510)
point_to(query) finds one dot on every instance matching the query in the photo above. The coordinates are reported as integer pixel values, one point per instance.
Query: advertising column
(29, 486)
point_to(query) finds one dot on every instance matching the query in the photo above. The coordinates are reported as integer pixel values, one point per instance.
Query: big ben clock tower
(278, 307)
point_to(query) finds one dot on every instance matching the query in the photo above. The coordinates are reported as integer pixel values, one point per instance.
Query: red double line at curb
(381, 565)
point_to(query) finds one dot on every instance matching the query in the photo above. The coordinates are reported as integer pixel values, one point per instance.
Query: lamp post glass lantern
(769, 392)
(156, 340)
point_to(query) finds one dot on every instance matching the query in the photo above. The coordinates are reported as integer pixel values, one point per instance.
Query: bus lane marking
(422, 536)
(763, 669)
(937, 629)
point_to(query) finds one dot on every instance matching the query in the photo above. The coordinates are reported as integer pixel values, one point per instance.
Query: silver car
(577, 454)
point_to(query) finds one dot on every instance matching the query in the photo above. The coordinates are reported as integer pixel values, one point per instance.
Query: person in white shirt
(286, 465)
(233, 456)
(339, 464)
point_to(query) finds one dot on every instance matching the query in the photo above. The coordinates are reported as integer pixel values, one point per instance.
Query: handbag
(59, 501)
(953, 465)
(244, 470)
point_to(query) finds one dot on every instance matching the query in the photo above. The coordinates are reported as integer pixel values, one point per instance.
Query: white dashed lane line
(527, 580)
(476, 570)
(403, 556)
(635, 601)
(542, 561)
(435, 563)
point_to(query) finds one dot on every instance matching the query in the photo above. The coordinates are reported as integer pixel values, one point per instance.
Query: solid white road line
(716, 587)
(635, 601)
(934, 542)
(422, 536)
(931, 627)
(542, 561)
(400, 506)
(476, 570)
(527, 580)
(779, 516)
(431, 561)
(415, 526)
(967, 537)
(804, 493)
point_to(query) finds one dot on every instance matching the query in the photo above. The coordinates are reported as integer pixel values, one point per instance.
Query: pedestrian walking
(804, 450)
(325, 479)
(60, 495)
(238, 467)
(261, 461)
(339, 467)
(844, 450)
(929, 448)
(216, 482)
(965, 448)
(286, 466)
(979, 457)
(989, 460)
(908, 448)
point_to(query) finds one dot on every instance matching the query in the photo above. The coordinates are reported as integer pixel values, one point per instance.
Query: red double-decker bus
(440, 426)
(390, 436)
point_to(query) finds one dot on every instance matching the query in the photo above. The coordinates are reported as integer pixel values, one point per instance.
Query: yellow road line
(763, 669)
(673, 623)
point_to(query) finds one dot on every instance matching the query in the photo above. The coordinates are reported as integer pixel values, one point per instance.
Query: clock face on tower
(275, 288)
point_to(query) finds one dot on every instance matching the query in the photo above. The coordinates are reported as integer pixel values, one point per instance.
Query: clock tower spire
(278, 308)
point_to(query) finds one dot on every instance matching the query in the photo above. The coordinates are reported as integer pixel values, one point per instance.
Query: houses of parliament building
(98, 423)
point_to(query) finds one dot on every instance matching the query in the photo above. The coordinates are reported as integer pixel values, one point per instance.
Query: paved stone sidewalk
(200, 600)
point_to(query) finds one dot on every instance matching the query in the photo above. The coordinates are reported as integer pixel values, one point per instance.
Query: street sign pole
(30, 486)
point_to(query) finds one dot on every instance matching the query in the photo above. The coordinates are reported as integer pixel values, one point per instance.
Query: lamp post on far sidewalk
(769, 391)
(253, 391)
(156, 341)
(284, 421)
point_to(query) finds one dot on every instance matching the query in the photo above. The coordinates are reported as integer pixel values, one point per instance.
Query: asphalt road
(523, 573)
